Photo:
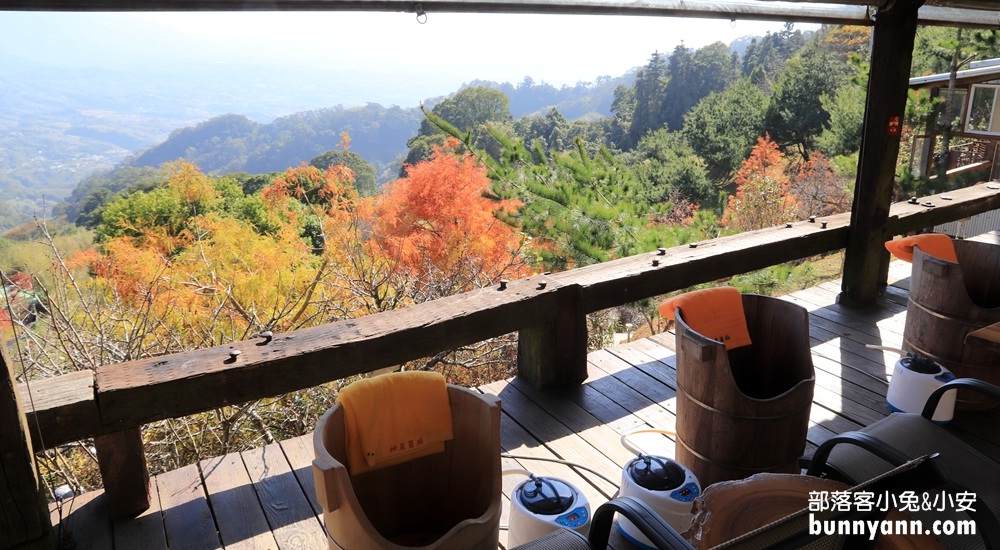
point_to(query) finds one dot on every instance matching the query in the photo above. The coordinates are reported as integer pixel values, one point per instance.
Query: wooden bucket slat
(455, 493)
(746, 410)
(949, 300)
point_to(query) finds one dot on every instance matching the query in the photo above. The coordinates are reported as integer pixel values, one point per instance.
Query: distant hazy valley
(66, 116)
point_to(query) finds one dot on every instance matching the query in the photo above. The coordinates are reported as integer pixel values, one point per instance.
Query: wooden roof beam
(847, 12)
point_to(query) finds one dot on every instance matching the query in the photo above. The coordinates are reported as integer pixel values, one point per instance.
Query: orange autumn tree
(441, 224)
(194, 263)
(354, 277)
(762, 196)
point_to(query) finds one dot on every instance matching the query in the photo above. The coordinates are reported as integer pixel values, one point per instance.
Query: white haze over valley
(436, 57)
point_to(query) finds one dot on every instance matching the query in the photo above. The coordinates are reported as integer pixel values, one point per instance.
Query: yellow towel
(393, 418)
(936, 244)
(716, 313)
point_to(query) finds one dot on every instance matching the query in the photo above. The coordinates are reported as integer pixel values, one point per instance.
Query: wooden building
(975, 122)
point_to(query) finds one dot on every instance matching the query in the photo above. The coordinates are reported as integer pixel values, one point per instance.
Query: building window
(982, 110)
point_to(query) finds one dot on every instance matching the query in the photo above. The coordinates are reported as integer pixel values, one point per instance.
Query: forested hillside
(586, 100)
(234, 143)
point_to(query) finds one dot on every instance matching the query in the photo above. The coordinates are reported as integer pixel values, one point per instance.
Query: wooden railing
(548, 312)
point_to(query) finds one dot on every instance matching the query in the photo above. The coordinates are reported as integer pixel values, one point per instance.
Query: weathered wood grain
(190, 382)
(517, 440)
(966, 202)
(23, 514)
(628, 386)
(82, 522)
(61, 408)
(238, 514)
(550, 318)
(622, 281)
(560, 439)
(745, 410)
(553, 352)
(578, 420)
(122, 460)
(146, 530)
(300, 454)
(646, 396)
(285, 505)
(866, 260)
(187, 518)
(988, 336)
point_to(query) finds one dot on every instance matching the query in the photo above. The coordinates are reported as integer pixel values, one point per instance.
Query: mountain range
(142, 95)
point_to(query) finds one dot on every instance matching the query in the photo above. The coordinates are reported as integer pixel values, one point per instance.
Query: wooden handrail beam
(61, 409)
(618, 282)
(964, 203)
(199, 380)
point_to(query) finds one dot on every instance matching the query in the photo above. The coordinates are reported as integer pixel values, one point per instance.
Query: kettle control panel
(576, 517)
(686, 493)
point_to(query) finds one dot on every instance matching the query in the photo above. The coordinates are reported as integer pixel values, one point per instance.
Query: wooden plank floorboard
(82, 522)
(634, 390)
(833, 358)
(285, 505)
(898, 292)
(512, 433)
(834, 401)
(237, 510)
(885, 307)
(602, 437)
(187, 517)
(656, 381)
(650, 358)
(300, 453)
(146, 530)
(602, 407)
(850, 325)
(874, 379)
(562, 441)
(515, 440)
(824, 329)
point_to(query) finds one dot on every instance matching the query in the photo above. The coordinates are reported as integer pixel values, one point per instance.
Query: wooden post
(123, 469)
(892, 54)
(553, 352)
(24, 516)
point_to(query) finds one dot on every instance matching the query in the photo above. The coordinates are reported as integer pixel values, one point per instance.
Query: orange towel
(716, 313)
(936, 244)
(393, 418)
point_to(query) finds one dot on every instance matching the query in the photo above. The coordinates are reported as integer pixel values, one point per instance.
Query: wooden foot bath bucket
(441, 501)
(949, 300)
(745, 410)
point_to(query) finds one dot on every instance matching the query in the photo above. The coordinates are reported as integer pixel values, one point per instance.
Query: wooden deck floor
(263, 498)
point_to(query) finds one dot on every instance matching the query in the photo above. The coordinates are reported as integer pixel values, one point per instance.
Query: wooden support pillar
(122, 459)
(892, 54)
(24, 515)
(553, 352)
